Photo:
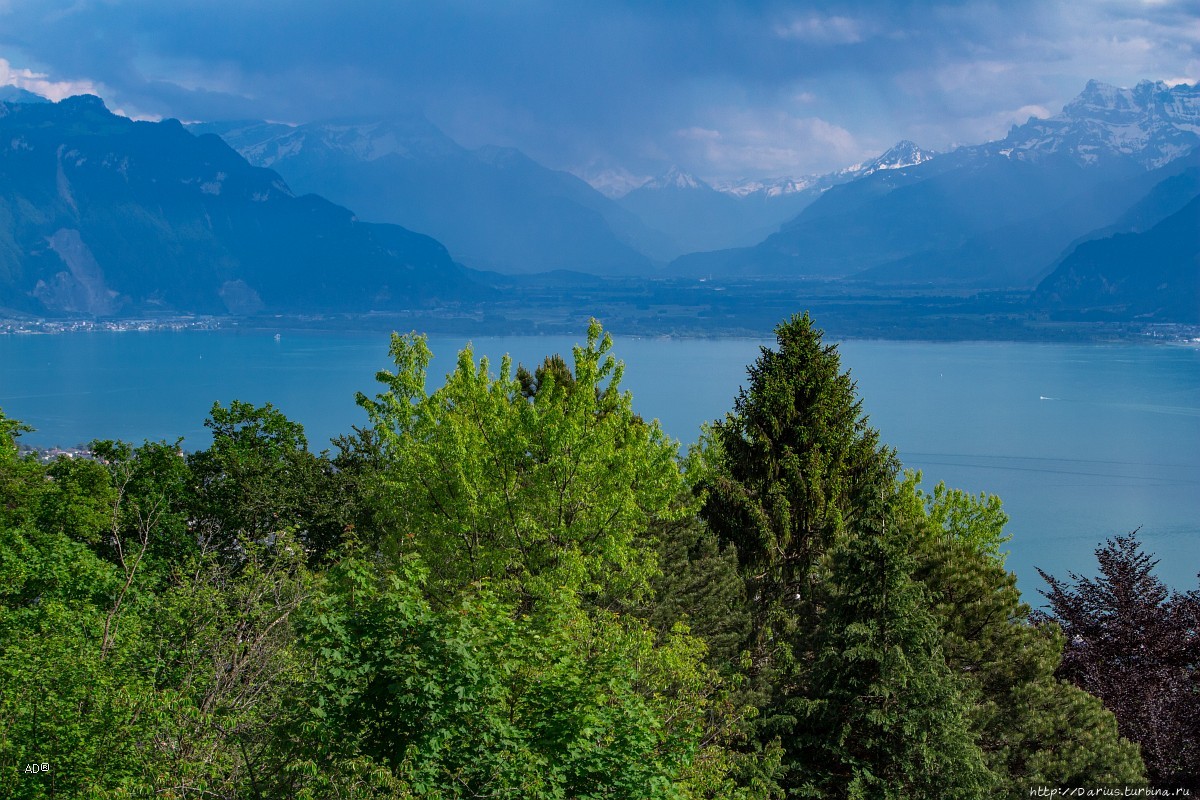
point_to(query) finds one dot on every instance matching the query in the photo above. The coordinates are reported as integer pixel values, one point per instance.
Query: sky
(613, 91)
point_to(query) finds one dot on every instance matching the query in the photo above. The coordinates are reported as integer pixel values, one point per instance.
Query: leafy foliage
(513, 586)
(1136, 646)
(258, 477)
(539, 494)
(475, 699)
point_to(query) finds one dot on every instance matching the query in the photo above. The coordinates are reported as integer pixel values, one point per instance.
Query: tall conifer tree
(795, 462)
(848, 667)
(881, 715)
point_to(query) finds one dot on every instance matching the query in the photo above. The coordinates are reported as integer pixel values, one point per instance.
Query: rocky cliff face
(1150, 124)
(101, 215)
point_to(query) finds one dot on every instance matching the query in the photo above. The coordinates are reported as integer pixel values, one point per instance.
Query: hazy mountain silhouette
(100, 214)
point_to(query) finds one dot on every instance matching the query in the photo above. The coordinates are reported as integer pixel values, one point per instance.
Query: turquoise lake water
(1080, 441)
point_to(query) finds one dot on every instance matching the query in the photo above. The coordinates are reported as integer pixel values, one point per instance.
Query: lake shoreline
(962, 331)
(681, 309)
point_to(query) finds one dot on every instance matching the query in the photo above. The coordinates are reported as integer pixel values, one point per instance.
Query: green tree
(541, 494)
(1033, 728)
(698, 584)
(221, 639)
(976, 521)
(1133, 643)
(72, 691)
(79, 500)
(132, 662)
(476, 698)
(538, 509)
(151, 486)
(785, 478)
(792, 468)
(880, 714)
(258, 477)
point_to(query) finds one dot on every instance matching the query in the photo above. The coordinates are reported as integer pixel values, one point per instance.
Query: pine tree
(846, 666)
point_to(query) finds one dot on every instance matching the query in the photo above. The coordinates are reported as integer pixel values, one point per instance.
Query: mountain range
(992, 215)
(102, 215)
(1090, 211)
(702, 216)
(1146, 264)
(494, 208)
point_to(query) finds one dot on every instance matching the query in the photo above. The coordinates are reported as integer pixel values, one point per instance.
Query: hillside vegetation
(512, 585)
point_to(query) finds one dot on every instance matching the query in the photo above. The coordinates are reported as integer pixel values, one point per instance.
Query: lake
(1080, 441)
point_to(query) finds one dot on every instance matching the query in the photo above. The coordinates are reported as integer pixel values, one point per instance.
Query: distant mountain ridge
(1150, 125)
(702, 216)
(992, 215)
(494, 208)
(1152, 274)
(15, 94)
(102, 215)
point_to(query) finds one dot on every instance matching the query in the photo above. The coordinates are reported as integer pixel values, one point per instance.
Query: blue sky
(722, 89)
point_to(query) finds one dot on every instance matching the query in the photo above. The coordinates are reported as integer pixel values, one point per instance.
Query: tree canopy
(511, 584)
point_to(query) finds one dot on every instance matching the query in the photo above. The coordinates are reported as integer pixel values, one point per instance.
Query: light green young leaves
(540, 494)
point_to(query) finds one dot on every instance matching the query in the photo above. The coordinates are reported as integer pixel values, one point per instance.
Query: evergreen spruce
(797, 464)
(881, 715)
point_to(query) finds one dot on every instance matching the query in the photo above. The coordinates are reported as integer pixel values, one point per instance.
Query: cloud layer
(722, 89)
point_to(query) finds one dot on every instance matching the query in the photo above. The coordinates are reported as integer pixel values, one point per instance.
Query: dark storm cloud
(722, 88)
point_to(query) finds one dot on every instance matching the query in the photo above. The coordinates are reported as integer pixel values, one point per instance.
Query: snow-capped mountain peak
(675, 178)
(1151, 124)
(902, 154)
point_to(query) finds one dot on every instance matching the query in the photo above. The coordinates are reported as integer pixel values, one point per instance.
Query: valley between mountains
(1082, 224)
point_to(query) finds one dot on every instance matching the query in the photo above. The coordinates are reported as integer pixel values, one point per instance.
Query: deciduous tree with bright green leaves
(539, 493)
(475, 698)
(543, 498)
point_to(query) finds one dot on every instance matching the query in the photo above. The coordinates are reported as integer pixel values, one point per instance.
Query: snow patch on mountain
(903, 154)
(675, 178)
(612, 183)
(1151, 124)
(768, 187)
(900, 155)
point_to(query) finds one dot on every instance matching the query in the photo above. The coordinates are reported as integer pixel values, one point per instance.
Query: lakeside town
(1173, 333)
(44, 326)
